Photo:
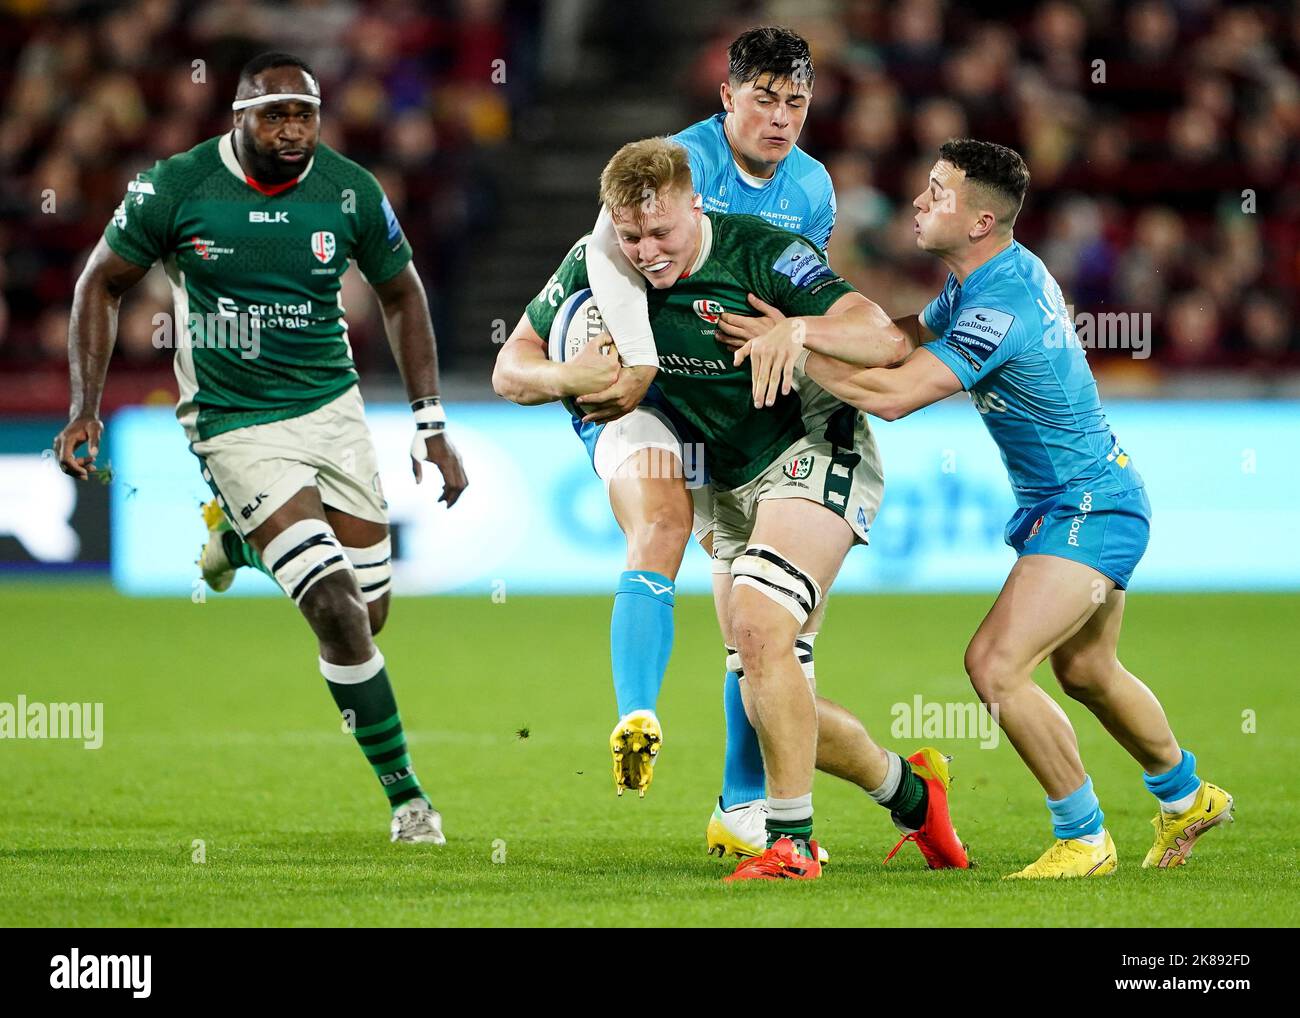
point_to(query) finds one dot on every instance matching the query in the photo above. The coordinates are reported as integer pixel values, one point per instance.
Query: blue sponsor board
(535, 518)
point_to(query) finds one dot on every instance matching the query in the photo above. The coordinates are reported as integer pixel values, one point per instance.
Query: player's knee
(339, 618)
(994, 671)
(771, 600)
(756, 629)
(662, 534)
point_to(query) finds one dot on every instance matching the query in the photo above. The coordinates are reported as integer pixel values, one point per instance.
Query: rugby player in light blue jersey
(1001, 330)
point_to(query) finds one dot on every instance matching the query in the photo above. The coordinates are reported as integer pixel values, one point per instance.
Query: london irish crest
(322, 246)
(798, 468)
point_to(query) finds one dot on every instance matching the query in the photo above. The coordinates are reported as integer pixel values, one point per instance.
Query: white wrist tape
(430, 420)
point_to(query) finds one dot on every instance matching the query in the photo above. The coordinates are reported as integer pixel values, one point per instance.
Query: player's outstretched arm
(92, 331)
(524, 374)
(410, 335)
(887, 393)
(853, 329)
(864, 335)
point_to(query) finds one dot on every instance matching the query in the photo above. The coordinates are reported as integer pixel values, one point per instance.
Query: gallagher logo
(710, 310)
(798, 468)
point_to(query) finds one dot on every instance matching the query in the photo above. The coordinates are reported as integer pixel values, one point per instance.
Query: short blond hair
(641, 171)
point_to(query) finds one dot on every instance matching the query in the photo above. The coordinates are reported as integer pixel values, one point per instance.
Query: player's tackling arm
(858, 331)
(854, 330)
(888, 393)
(92, 331)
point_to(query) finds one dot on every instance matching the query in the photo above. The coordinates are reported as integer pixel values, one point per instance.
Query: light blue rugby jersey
(800, 196)
(1009, 338)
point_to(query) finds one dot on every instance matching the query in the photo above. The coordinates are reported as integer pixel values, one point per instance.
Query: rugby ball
(577, 324)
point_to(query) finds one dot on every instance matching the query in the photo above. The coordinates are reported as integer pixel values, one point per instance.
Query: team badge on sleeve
(979, 330)
(322, 246)
(390, 219)
(801, 264)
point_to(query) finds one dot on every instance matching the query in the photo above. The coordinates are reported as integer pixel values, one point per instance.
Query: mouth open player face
(661, 239)
(279, 138)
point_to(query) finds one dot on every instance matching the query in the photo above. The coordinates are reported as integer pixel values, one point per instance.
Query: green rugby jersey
(740, 254)
(259, 328)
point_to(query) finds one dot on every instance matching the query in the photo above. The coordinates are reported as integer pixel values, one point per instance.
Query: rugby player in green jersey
(255, 229)
(796, 484)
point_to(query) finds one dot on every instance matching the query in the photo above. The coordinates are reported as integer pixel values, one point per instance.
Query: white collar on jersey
(706, 245)
(752, 180)
(226, 148)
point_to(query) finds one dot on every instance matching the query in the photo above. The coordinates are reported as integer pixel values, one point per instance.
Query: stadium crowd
(1162, 136)
(91, 94)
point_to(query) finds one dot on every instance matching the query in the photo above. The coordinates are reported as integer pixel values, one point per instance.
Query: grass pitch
(221, 743)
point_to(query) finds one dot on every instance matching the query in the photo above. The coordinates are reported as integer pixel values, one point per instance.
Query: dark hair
(265, 61)
(997, 168)
(769, 50)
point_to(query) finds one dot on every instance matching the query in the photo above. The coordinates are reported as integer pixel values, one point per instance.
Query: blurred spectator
(1194, 334)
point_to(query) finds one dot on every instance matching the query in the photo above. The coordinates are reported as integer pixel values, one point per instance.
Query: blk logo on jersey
(798, 468)
(322, 246)
(710, 310)
(268, 217)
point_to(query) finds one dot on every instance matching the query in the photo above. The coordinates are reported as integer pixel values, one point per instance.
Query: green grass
(218, 728)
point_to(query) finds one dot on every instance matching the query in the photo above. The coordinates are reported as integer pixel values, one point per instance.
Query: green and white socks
(793, 819)
(365, 697)
(903, 793)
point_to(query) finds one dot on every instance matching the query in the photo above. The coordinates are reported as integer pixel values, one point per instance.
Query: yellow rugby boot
(218, 572)
(1176, 833)
(1070, 857)
(635, 744)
